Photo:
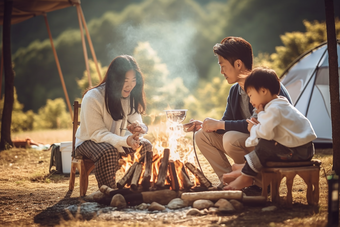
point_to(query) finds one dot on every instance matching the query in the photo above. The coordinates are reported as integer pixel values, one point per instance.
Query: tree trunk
(9, 78)
(333, 83)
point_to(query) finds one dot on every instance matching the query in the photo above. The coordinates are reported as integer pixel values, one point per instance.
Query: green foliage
(262, 22)
(53, 115)
(181, 32)
(210, 99)
(169, 26)
(83, 83)
(295, 44)
(21, 121)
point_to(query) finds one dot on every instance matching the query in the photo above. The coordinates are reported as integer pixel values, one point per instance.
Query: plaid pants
(105, 156)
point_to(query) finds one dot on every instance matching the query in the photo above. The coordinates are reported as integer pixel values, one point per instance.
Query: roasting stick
(193, 141)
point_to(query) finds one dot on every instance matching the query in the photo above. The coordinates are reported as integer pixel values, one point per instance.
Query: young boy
(281, 132)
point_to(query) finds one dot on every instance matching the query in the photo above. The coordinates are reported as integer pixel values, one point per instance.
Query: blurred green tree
(83, 83)
(295, 44)
(182, 32)
(21, 121)
(53, 116)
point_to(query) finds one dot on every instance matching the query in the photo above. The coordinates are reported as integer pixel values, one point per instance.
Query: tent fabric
(307, 81)
(25, 9)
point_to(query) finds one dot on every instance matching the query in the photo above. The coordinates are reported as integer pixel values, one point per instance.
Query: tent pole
(2, 67)
(6, 120)
(84, 47)
(90, 42)
(333, 82)
(58, 66)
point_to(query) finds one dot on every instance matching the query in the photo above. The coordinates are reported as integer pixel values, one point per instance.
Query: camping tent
(307, 81)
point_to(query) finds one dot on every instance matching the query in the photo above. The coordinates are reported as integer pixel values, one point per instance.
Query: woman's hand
(137, 127)
(133, 141)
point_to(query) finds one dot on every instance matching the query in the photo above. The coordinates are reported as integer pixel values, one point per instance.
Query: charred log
(148, 170)
(173, 176)
(126, 179)
(183, 175)
(136, 175)
(204, 182)
(163, 169)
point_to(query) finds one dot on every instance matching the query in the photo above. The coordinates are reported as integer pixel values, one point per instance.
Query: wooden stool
(273, 173)
(82, 163)
(84, 166)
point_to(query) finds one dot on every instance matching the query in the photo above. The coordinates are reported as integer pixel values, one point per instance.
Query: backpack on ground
(56, 159)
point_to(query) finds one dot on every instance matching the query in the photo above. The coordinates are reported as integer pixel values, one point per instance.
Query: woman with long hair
(111, 121)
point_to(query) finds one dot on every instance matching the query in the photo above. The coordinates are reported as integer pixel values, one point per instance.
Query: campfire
(171, 165)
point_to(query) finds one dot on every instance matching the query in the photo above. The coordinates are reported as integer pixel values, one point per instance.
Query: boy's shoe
(252, 190)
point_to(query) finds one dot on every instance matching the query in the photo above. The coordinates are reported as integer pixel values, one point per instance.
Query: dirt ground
(31, 196)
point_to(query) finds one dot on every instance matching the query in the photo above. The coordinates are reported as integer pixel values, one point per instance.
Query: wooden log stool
(274, 172)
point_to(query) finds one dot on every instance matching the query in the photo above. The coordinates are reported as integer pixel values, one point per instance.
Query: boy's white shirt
(282, 122)
(96, 123)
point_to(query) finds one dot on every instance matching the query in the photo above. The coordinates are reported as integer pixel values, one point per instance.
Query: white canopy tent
(307, 81)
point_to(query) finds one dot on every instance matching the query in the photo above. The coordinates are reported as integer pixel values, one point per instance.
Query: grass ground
(31, 196)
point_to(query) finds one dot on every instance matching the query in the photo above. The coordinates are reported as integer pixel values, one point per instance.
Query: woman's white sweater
(96, 123)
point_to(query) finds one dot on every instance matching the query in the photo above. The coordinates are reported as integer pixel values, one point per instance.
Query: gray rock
(202, 204)
(177, 203)
(142, 206)
(98, 197)
(118, 201)
(195, 212)
(156, 206)
(213, 210)
(270, 208)
(236, 204)
(87, 209)
(224, 206)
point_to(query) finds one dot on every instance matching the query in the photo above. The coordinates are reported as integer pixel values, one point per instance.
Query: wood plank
(213, 195)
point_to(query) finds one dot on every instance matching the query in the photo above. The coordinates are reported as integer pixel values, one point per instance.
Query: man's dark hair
(263, 78)
(233, 48)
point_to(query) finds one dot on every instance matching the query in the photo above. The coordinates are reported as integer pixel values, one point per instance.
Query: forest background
(171, 40)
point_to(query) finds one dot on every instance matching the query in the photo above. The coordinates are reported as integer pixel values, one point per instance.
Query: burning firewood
(204, 182)
(183, 175)
(147, 172)
(173, 176)
(163, 169)
(136, 175)
(127, 177)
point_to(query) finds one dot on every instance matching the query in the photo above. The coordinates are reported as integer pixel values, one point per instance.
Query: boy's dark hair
(233, 48)
(263, 78)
